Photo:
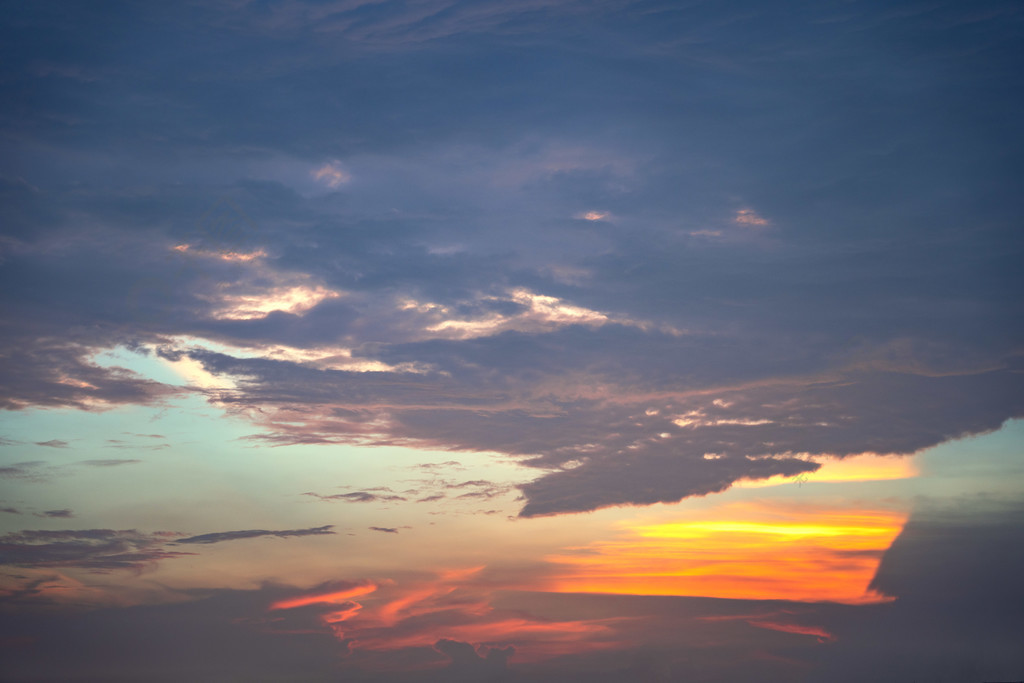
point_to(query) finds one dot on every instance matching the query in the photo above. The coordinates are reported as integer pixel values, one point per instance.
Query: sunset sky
(516, 340)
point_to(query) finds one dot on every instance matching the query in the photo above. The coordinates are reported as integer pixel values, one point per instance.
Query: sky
(546, 340)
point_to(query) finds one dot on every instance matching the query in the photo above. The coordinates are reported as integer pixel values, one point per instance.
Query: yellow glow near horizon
(747, 552)
(868, 467)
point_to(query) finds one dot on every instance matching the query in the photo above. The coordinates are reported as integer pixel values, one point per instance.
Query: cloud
(473, 663)
(954, 571)
(749, 218)
(56, 514)
(258, 304)
(359, 497)
(138, 441)
(340, 319)
(937, 557)
(636, 433)
(221, 536)
(822, 635)
(444, 626)
(432, 466)
(519, 310)
(96, 550)
(815, 253)
(431, 498)
(30, 470)
(480, 489)
(430, 490)
(221, 629)
(53, 443)
(387, 530)
(641, 480)
(40, 470)
(59, 374)
(332, 175)
(417, 629)
(391, 621)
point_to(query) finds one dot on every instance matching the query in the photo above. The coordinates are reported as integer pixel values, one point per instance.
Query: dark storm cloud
(962, 554)
(97, 550)
(954, 570)
(221, 536)
(805, 211)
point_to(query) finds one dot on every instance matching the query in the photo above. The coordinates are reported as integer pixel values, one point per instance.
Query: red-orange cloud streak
(334, 597)
(447, 606)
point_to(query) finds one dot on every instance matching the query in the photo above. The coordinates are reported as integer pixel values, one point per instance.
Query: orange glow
(325, 598)
(746, 552)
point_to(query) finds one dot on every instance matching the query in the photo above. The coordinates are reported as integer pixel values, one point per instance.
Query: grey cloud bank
(559, 231)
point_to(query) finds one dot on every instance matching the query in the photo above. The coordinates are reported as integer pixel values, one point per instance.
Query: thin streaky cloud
(222, 536)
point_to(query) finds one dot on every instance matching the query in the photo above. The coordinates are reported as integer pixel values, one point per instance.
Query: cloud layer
(683, 258)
